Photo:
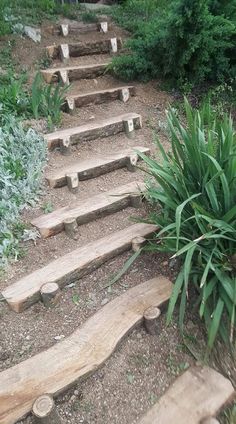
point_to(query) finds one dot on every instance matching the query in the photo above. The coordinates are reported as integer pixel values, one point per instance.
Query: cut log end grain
(136, 201)
(70, 226)
(138, 243)
(50, 294)
(44, 411)
(151, 316)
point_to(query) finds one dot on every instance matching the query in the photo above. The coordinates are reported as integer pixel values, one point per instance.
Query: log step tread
(93, 167)
(197, 394)
(75, 72)
(100, 96)
(73, 265)
(80, 354)
(86, 210)
(92, 130)
(84, 48)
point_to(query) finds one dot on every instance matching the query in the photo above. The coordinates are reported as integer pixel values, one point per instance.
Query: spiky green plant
(193, 198)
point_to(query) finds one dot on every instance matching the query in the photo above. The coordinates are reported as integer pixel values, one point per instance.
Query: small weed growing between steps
(22, 157)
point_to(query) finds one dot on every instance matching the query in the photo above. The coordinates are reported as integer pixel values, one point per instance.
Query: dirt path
(143, 366)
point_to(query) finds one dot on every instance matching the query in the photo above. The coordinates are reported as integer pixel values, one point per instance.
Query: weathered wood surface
(100, 96)
(44, 411)
(93, 167)
(198, 393)
(72, 266)
(86, 210)
(76, 27)
(92, 130)
(57, 368)
(75, 72)
(84, 48)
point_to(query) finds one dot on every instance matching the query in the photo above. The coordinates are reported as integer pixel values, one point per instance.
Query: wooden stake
(50, 293)
(65, 146)
(64, 29)
(70, 226)
(63, 75)
(103, 27)
(151, 316)
(124, 95)
(114, 47)
(64, 53)
(45, 412)
(132, 162)
(129, 127)
(70, 105)
(72, 182)
(137, 243)
(136, 201)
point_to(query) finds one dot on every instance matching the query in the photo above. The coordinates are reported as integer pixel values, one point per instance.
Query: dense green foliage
(188, 42)
(31, 12)
(193, 198)
(22, 156)
(42, 100)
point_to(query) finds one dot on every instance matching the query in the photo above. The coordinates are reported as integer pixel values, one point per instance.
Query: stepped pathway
(91, 179)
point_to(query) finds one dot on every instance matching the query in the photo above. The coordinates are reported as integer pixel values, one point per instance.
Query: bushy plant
(188, 43)
(193, 198)
(14, 98)
(22, 157)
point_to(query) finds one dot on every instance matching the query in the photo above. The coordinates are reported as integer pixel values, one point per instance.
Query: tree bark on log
(151, 316)
(44, 411)
(50, 293)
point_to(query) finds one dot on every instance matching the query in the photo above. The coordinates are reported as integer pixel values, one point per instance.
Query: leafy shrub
(47, 100)
(14, 98)
(22, 157)
(89, 16)
(193, 198)
(188, 43)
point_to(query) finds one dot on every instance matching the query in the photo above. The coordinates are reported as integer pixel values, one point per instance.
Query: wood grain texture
(93, 167)
(51, 75)
(93, 130)
(57, 368)
(73, 265)
(100, 96)
(93, 47)
(87, 210)
(198, 393)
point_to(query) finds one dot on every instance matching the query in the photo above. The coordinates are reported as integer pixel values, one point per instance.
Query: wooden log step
(100, 96)
(73, 266)
(87, 210)
(58, 368)
(197, 394)
(74, 72)
(91, 168)
(110, 45)
(65, 29)
(93, 130)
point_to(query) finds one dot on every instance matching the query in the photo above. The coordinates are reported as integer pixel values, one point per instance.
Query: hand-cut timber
(75, 27)
(73, 265)
(70, 227)
(138, 243)
(91, 168)
(87, 210)
(84, 48)
(197, 393)
(75, 72)
(151, 316)
(45, 412)
(100, 96)
(93, 130)
(57, 368)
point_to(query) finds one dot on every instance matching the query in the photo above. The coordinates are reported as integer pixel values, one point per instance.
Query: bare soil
(143, 366)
